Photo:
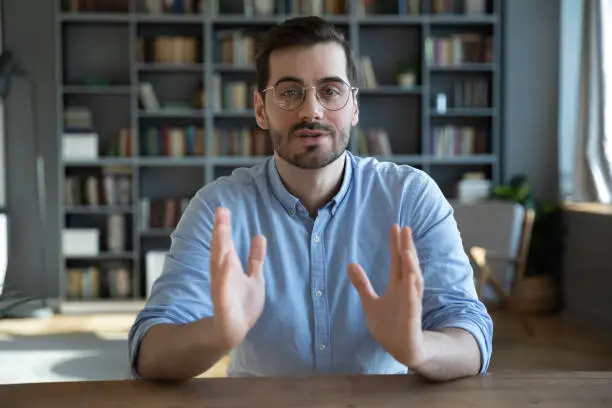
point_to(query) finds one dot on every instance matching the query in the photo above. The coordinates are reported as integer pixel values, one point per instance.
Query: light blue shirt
(312, 320)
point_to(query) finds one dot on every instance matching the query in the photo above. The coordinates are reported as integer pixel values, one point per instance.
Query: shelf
(463, 68)
(94, 45)
(235, 160)
(97, 90)
(390, 19)
(157, 232)
(403, 159)
(390, 90)
(171, 161)
(465, 113)
(173, 113)
(169, 18)
(95, 210)
(234, 68)
(99, 306)
(102, 256)
(102, 161)
(241, 20)
(89, 17)
(462, 19)
(474, 159)
(166, 67)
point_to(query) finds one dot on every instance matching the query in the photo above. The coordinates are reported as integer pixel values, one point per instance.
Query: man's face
(309, 136)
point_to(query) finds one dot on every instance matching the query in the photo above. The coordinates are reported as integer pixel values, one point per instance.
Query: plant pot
(406, 80)
(534, 295)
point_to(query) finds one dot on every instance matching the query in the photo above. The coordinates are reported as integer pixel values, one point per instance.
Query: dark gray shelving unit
(103, 44)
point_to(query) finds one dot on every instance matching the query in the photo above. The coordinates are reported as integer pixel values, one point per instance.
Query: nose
(311, 109)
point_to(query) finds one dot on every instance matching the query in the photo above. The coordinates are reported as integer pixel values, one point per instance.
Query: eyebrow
(289, 78)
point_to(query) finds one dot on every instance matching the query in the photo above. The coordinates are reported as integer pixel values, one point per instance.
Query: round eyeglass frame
(352, 89)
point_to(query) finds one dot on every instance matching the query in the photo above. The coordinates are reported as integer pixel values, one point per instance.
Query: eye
(330, 91)
(289, 92)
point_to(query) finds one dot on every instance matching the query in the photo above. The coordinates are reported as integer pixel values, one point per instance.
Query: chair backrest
(497, 226)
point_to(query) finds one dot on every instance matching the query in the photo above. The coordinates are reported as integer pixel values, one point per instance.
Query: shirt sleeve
(449, 296)
(182, 293)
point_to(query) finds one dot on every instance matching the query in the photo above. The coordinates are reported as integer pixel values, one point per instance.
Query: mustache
(311, 126)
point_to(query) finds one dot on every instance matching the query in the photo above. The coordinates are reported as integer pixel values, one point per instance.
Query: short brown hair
(301, 32)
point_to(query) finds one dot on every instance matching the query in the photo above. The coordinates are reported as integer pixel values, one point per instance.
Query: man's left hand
(394, 319)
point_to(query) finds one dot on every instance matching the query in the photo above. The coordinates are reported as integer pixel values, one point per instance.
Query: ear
(260, 110)
(356, 111)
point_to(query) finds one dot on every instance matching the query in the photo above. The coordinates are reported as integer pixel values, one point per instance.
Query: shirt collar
(290, 202)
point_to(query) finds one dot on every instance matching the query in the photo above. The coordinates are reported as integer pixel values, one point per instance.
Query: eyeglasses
(332, 94)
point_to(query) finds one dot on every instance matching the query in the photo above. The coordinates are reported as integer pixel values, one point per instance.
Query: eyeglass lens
(332, 95)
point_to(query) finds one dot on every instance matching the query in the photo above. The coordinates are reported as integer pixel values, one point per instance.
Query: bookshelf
(163, 100)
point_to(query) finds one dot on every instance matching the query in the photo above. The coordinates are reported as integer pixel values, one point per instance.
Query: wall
(587, 279)
(31, 37)
(531, 55)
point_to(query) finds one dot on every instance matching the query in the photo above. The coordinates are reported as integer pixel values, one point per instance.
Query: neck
(313, 187)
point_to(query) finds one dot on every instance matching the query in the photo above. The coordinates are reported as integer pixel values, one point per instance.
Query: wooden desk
(559, 390)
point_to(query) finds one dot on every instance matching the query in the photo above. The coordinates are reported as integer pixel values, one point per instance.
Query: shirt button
(322, 347)
(318, 293)
(316, 239)
(291, 212)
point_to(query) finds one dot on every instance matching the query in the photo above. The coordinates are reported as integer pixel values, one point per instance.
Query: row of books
(471, 93)
(235, 47)
(374, 142)
(175, 6)
(459, 6)
(95, 6)
(453, 140)
(95, 282)
(245, 141)
(268, 7)
(162, 212)
(113, 187)
(174, 141)
(235, 95)
(168, 49)
(457, 49)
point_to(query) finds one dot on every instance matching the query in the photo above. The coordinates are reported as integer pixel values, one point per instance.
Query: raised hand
(394, 319)
(238, 297)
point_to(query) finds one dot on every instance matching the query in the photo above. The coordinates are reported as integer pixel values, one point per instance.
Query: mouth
(308, 133)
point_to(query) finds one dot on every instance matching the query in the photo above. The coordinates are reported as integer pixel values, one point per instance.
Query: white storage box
(81, 242)
(80, 146)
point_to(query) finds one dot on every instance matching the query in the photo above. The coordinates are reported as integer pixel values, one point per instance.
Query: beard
(312, 157)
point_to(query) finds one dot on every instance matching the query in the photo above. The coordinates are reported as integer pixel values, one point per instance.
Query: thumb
(361, 282)
(257, 254)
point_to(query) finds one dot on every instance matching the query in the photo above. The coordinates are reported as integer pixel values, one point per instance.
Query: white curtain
(585, 98)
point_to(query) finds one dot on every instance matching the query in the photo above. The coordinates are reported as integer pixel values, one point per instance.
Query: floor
(93, 347)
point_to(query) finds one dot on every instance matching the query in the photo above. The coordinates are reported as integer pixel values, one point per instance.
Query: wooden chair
(497, 236)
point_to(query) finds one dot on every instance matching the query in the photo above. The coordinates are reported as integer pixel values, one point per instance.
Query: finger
(361, 282)
(411, 260)
(257, 254)
(396, 259)
(219, 247)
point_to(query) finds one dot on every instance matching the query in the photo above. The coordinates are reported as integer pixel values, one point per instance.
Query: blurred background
(115, 112)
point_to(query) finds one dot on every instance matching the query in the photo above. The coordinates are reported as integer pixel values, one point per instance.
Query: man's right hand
(238, 297)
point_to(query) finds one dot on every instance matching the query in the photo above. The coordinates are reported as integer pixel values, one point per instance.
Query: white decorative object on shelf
(80, 146)
(81, 242)
(473, 187)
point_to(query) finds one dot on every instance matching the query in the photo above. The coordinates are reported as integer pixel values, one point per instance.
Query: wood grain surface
(500, 390)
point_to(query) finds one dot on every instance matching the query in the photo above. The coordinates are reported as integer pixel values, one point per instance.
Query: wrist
(419, 354)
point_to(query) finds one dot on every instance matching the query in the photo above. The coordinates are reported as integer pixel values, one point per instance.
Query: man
(316, 261)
